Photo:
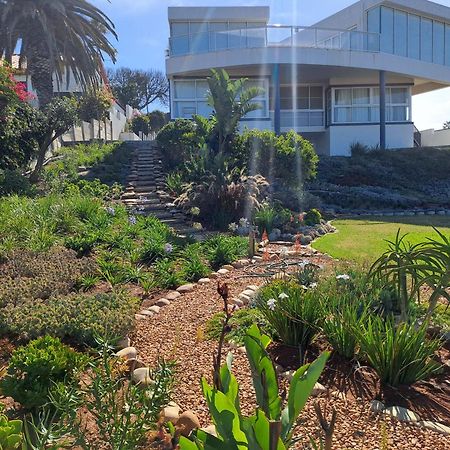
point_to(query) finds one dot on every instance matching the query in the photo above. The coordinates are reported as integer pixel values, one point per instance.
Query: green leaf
(211, 442)
(225, 417)
(230, 385)
(186, 444)
(265, 380)
(300, 389)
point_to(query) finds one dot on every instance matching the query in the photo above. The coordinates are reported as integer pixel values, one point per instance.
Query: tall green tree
(231, 101)
(59, 37)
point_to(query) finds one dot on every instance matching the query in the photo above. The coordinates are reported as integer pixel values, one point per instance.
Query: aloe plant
(271, 427)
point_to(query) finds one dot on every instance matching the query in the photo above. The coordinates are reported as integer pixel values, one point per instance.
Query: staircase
(145, 195)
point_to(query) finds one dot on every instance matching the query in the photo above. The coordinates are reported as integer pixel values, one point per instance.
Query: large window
(362, 104)
(189, 98)
(201, 37)
(410, 35)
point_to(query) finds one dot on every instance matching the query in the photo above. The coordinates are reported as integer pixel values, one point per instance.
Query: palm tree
(231, 101)
(56, 36)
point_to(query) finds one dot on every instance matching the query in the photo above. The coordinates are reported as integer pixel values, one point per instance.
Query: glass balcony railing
(273, 36)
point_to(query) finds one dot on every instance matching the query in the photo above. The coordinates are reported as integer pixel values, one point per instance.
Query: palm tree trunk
(34, 177)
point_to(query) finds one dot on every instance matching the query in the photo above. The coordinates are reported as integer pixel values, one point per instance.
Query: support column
(277, 103)
(382, 110)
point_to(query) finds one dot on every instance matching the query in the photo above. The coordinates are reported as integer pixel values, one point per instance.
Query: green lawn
(363, 240)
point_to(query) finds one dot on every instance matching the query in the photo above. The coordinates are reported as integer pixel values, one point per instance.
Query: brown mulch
(177, 333)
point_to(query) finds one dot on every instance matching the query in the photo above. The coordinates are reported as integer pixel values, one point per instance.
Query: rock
(237, 301)
(305, 240)
(139, 317)
(275, 235)
(204, 281)
(123, 343)
(127, 353)
(402, 414)
(252, 287)
(186, 288)
(154, 309)
(241, 349)
(172, 295)
(431, 213)
(135, 364)
(171, 413)
(162, 302)
(240, 264)
(187, 422)
(288, 375)
(318, 389)
(249, 293)
(435, 426)
(141, 377)
(376, 406)
(223, 271)
(147, 313)
(228, 267)
(213, 275)
(245, 298)
(210, 429)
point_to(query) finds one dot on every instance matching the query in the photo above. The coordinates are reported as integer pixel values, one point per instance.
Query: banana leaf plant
(271, 427)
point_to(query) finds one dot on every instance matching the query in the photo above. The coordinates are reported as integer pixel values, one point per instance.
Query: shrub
(223, 250)
(193, 268)
(292, 311)
(10, 432)
(140, 124)
(34, 368)
(76, 317)
(266, 217)
(176, 140)
(240, 322)
(342, 314)
(358, 149)
(166, 274)
(175, 184)
(28, 276)
(313, 217)
(13, 182)
(400, 354)
(95, 104)
(123, 413)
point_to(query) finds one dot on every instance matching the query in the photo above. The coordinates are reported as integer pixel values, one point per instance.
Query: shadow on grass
(114, 168)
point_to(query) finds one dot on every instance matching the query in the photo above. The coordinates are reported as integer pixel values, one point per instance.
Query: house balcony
(273, 36)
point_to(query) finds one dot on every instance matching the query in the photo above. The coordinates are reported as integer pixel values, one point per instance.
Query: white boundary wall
(435, 138)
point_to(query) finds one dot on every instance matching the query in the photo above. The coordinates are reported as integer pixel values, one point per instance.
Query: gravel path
(177, 333)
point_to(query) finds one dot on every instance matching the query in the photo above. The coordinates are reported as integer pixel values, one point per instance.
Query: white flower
(343, 277)
(271, 303)
(283, 296)
(232, 227)
(313, 285)
(168, 248)
(243, 222)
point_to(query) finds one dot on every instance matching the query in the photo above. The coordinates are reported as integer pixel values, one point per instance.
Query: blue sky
(143, 35)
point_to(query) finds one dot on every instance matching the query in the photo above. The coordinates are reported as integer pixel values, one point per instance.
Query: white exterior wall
(435, 138)
(343, 136)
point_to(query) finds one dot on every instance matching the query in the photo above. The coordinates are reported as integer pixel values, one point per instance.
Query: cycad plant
(231, 101)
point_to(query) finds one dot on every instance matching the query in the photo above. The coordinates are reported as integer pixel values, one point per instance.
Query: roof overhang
(221, 13)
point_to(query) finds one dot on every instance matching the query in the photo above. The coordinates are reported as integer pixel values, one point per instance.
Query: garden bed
(178, 333)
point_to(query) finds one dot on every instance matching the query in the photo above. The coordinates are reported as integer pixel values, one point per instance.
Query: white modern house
(349, 78)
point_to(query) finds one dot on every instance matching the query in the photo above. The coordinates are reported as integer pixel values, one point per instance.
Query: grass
(364, 240)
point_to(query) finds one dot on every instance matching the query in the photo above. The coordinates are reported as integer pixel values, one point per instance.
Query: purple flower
(111, 211)
(168, 248)
(132, 220)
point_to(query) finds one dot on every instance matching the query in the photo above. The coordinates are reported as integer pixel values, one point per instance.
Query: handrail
(273, 36)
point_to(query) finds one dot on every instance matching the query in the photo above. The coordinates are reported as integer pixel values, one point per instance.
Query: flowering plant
(12, 90)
